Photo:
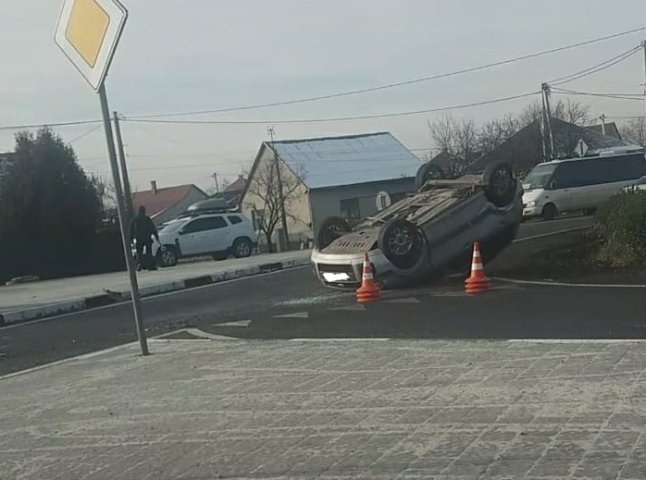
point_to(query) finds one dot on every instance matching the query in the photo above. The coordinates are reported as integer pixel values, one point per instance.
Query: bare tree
(495, 132)
(634, 131)
(571, 111)
(458, 138)
(265, 195)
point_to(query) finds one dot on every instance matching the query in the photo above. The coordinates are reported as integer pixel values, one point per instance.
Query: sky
(192, 55)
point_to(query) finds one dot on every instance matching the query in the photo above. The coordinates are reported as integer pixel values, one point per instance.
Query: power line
(332, 119)
(83, 135)
(398, 84)
(52, 124)
(595, 69)
(638, 97)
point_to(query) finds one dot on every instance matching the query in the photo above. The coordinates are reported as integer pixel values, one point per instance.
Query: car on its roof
(426, 233)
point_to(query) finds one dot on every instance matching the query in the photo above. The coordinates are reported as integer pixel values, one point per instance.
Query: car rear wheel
(242, 248)
(426, 172)
(401, 242)
(500, 185)
(549, 212)
(331, 229)
(167, 256)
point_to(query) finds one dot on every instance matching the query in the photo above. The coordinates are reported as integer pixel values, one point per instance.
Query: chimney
(153, 186)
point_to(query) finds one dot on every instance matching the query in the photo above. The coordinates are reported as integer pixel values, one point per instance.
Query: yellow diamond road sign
(88, 32)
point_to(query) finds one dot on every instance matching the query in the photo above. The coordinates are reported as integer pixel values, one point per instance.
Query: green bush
(622, 230)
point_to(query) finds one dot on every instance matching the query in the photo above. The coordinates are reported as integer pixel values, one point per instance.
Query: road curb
(110, 297)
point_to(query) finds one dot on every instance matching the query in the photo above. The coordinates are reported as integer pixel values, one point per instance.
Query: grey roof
(610, 127)
(347, 160)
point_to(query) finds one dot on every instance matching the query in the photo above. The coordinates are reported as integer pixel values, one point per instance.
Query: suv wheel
(167, 256)
(500, 185)
(401, 243)
(242, 248)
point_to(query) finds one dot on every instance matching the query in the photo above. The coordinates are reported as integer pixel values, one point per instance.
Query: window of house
(350, 208)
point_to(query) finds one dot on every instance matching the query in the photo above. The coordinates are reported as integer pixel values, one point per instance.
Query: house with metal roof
(322, 177)
(163, 204)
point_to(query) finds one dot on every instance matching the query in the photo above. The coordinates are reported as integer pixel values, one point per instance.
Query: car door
(562, 188)
(192, 237)
(216, 235)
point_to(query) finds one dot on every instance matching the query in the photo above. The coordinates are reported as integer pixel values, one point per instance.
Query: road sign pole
(121, 209)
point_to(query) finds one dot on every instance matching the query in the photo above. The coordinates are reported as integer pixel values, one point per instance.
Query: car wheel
(167, 256)
(426, 172)
(549, 212)
(500, 185)
(331, 229)
(242, 248)
(218, 257)
(401, 243)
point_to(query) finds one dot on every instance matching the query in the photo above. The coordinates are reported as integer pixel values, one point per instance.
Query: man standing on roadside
(142, 229)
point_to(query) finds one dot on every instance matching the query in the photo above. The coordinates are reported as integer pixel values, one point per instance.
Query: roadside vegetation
(621, 230)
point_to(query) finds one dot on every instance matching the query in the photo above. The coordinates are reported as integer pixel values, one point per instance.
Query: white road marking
(563, 284)
(551, 234)
(576, 340)
(358, 306)
(241, 323)
(339, 339)
(294, 315)
(146, 299)
(403, 300)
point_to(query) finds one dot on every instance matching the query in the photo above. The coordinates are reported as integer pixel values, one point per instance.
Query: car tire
(218, 257)
(426, 172)
(500, 184)
(550, 212)
(401, 242)
(167, 257)
(242, 247)
(331, 229)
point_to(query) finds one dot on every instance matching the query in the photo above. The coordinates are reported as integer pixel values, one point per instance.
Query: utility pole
(644, 47)
(217, 185)
(548, 138)
(603, 123)
(127, 193)
(281, 198)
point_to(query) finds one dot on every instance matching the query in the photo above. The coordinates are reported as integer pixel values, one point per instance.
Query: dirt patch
(572, 257)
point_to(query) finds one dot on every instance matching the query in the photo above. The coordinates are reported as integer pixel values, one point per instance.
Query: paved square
(199, 409)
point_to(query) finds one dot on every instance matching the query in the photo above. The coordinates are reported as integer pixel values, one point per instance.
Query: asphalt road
(292, 304)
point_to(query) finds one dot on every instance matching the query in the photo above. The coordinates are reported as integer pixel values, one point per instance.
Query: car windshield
(539, 177)
(171, 227)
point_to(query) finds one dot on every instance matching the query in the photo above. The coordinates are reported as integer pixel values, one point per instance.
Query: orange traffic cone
(369, 290)
(477, 282)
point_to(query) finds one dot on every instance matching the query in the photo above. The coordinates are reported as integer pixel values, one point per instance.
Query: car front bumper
(346, 270)
(534, 211)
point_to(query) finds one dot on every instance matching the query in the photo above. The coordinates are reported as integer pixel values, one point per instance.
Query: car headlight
(531, 204)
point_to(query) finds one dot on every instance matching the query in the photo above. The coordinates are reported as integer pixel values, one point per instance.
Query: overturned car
(425, 234)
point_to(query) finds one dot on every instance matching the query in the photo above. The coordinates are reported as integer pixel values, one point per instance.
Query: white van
(578, 184)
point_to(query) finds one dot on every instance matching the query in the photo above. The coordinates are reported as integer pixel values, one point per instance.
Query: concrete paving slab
(413, 409)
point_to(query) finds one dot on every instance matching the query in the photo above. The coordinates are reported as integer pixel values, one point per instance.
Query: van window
(539, 176)
(568, 175)
(626, 167)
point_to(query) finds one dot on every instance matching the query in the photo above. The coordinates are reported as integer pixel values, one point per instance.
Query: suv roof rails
(205, 211)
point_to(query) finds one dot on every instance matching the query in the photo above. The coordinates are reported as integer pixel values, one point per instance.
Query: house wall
(193, 195)
(296, 204)
(326, 202)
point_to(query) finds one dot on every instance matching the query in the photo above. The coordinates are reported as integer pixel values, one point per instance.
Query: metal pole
(644, 47)
(134, 288)
(124, 169)
(548, 111)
